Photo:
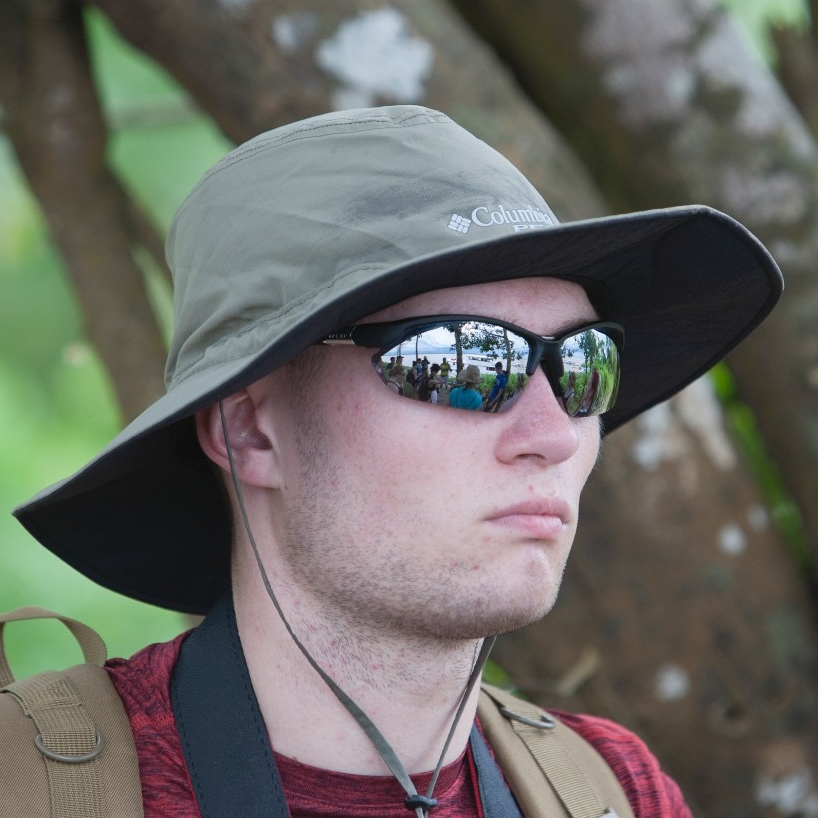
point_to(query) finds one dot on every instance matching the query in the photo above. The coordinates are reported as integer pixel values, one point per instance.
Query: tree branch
(55, 125)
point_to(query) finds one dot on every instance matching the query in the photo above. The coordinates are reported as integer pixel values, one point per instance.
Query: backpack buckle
(69, 759)
(544, 722)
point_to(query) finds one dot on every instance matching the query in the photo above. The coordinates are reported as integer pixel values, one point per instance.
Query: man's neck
(410, 690)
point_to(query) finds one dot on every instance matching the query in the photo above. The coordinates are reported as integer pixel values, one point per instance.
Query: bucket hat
(314, 225)
(469, 374)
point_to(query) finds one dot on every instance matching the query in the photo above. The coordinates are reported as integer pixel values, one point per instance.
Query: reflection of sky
(437, 340)
(436, 343)
(441, 340)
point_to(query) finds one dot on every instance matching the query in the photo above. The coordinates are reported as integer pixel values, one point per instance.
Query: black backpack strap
(224, 738)
(495, 796)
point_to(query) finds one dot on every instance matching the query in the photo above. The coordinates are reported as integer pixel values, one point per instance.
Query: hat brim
(147, 517)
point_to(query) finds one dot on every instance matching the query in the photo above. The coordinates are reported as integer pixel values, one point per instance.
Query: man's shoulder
(143, 682)
(649, 789)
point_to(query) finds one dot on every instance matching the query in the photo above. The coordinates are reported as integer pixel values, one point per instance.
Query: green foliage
(486, 382)
(756, 16)
(161, 143)
(56, 406)
(783, 510)
(493, 674)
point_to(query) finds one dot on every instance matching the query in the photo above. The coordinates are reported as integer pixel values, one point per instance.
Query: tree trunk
(53, 119)
(256, 66)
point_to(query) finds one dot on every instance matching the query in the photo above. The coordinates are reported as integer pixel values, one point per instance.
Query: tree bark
(260, 65)
(797, 68)
(53, 120)
(667, 105)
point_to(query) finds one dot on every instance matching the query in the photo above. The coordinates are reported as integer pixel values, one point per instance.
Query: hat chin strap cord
(420, 804)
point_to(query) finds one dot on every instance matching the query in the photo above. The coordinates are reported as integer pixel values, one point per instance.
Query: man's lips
(539, 519)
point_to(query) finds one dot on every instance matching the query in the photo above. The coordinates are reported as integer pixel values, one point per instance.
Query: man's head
(470, 375)
(306, 230)
(309, 472)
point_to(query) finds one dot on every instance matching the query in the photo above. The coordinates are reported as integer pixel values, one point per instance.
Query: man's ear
(250, 447)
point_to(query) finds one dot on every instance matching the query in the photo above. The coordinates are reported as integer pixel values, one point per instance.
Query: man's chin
(501, 622)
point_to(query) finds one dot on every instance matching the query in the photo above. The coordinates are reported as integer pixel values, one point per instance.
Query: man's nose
(536, 425)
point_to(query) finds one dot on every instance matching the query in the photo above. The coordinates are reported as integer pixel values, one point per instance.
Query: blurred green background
(56, 409)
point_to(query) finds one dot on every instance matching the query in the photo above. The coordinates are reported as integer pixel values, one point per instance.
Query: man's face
(435, 522)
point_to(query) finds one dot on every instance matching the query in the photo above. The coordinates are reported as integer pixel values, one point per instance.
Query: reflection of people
(412, 376)
(431, 385)
(569, 389)
(589, 394)
(445, 370)
(516, 392)
(337, 670)
(498, 388)
(396, 378)
(467, 396)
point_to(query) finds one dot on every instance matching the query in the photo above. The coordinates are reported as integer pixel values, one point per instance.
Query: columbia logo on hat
(523, 218)
(460, 224)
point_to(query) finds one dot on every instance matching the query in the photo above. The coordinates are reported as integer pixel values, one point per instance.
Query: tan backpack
(67, 751)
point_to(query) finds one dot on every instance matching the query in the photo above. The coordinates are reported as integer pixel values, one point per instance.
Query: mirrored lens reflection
(590, 376)
(481, 366)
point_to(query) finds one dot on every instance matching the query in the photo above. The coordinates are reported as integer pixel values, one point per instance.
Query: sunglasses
(582, 365)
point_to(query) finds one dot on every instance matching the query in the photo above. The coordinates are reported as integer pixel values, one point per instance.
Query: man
(396, 379)
(445, 371)
(431, 385)
(498, 388)
(337, 669)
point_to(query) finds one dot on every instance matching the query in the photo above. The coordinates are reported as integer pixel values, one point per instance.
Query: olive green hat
(312, 226)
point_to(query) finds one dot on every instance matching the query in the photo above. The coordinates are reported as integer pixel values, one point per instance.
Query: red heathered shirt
(143, 683)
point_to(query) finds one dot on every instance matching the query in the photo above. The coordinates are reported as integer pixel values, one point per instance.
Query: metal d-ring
(544, 723)
(69, 759)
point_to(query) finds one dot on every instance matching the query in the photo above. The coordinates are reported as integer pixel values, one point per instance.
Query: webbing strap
(93, 648)
(84, 764)
(69, 742)
(67, 738)
(585, 785)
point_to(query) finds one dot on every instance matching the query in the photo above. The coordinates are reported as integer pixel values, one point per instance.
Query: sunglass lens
(425, 364)
(583, 371)
(589, 379)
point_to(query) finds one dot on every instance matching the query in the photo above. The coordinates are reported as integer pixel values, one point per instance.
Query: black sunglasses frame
(544, 350)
